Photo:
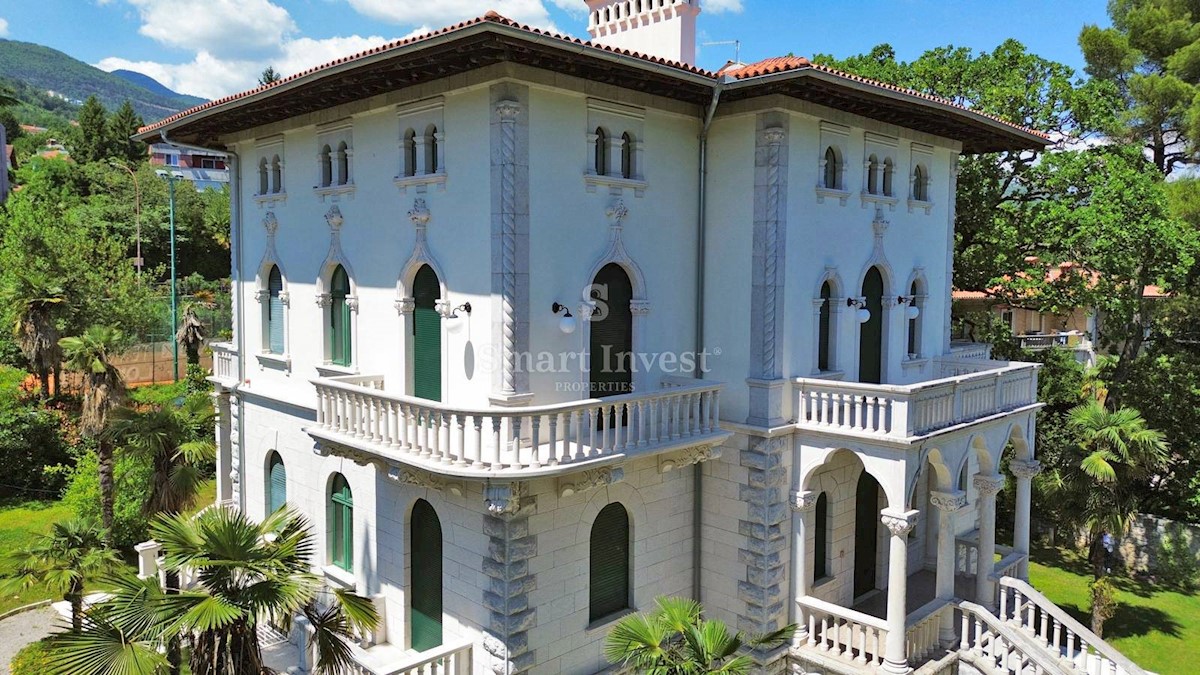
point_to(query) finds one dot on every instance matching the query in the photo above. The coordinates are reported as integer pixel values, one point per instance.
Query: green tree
(38, 299)
(103, 391)
(249, 573)
(1151, 58)
(12, 126)
(1116, 456)
(91, 143)
(123, 124)
(190, 335)
(64, 560)
(269, 76)
(674, 639)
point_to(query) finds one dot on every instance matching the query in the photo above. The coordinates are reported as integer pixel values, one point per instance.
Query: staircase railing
(1061, 634)
(843, 632)
(1001, 647)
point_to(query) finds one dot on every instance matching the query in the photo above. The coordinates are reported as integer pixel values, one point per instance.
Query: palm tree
(176, 441)
(36, 328)
(103, 390)
(64, 560)
(190, 335)
(675, 639)
(1118, 453)
(249, 573)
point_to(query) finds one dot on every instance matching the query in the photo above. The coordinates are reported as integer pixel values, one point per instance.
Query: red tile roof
(739, 72)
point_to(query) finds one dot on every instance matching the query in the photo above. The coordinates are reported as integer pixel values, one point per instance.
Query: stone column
(987, 487)
(764, 545)
(895, 658)
(1024, 471)
(509, 578)
(947, 504)
(804, 503)
(510, 243)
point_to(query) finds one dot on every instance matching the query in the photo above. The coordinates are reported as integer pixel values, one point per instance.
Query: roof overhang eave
(153, 135)
(1028, 140)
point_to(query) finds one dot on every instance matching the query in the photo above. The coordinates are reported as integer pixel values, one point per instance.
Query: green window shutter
(611, 341)
(275, 311)
(608, 574)
(341, 531)
(821, 547)
(870, 341)
(277, 495)
(425, 532)
(339, 318)
(823, 328)
(427, 336)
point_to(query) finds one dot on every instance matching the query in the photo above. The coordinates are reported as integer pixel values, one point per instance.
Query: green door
(427, 336)
(866, 530)
(611, 342)
(609, 563)
(870, 336)
(425, 547)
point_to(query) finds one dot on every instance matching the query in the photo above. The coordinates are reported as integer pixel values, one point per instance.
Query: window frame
(341, 523)
(339, 319)
(605, 612)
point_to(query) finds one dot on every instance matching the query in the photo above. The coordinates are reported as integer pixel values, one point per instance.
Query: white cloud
(231, 29)
(3, 27)
(447, 12)
(722, 6)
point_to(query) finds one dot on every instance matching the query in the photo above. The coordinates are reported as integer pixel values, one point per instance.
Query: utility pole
(170, 176)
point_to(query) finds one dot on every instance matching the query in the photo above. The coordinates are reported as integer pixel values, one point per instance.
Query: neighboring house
(443, 249)
(1077, 330)
(205, 170)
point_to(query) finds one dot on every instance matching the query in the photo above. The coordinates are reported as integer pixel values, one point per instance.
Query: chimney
(662, 28)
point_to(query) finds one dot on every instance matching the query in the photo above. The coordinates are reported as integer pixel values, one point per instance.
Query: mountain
(154, 86)
(53, 71)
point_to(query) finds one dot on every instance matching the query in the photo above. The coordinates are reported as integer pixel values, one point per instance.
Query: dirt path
(18, 631)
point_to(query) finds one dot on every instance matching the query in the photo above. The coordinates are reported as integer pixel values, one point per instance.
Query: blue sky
(214, 47)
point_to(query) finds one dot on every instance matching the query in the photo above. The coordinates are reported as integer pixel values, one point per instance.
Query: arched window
(608, 576)
(601, 158)
(326, 160)
(339, 318)
(962, 475)
(343, 163)
(425, 547)
(262, 176)
(870, 337)
(821, 538)
(626, 155)
(427, 335)
(825, 329)
(274, 312)
(276, 174)
(833, 170)
(410, 153)
(873, 175)
(920, 184)
(888, 170)
(341, 523)
(611, 333)
(914, 324)
(276, 483)
(431, 150)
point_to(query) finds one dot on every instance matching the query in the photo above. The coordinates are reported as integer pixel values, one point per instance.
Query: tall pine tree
(92, 135)
(123, 124)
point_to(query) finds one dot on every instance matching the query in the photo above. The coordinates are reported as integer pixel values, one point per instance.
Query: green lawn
(20, 522)
(1158, 629)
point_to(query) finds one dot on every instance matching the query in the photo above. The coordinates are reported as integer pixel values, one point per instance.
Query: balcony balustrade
(967, 390)
(225, 364)
(528, 441)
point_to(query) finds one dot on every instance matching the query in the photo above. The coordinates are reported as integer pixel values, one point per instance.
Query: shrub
(131, 476)
(33, 659)
(30, 439)
(1175, 565)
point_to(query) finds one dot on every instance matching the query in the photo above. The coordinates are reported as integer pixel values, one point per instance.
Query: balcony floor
(921, 590)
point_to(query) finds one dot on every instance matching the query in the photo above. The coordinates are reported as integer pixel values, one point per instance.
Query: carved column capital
(988, 486)
(261, 295)
(508, 109)
(503, 499)
(405, 305)
(1025, 470)
(804, 500)
(899, 523)
(419, 213)
(773, 135)
(352, 303)
(948, 502)
(324, 300)
(285, 298)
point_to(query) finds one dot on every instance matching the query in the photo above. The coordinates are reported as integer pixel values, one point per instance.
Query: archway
(427, 335)
(866, 533)
(425, 532)
(870, 336)
(611, 333)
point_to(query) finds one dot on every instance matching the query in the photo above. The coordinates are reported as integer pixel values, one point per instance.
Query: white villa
(535, 330)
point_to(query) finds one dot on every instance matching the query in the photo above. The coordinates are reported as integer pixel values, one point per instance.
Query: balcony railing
(530, 440)
(449, 659)
(968, 390)
(225, 363)
(1036, 341)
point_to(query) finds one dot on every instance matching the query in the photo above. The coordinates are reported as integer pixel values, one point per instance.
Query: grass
(206, 495)
(20, 524)
(1158, 629)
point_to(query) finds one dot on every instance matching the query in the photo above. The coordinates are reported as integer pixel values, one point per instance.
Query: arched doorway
(870, 336)
(425, 547)
(866, 533)
(611, 340)
(427, 335)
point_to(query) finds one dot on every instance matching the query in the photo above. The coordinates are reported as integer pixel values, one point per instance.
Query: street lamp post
(170, 176)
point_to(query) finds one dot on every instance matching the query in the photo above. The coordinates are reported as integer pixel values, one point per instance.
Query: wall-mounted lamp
(465, 307)
(863, 314)
(566, 323)
(912, 311)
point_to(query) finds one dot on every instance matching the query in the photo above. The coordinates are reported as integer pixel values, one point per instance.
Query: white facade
(519, 186)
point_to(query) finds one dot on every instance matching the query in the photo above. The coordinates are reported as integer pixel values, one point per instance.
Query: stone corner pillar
(506, 566)
(948, 504)
(1024, 471)
(987, 486)
(899, 523)
(763, 591)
